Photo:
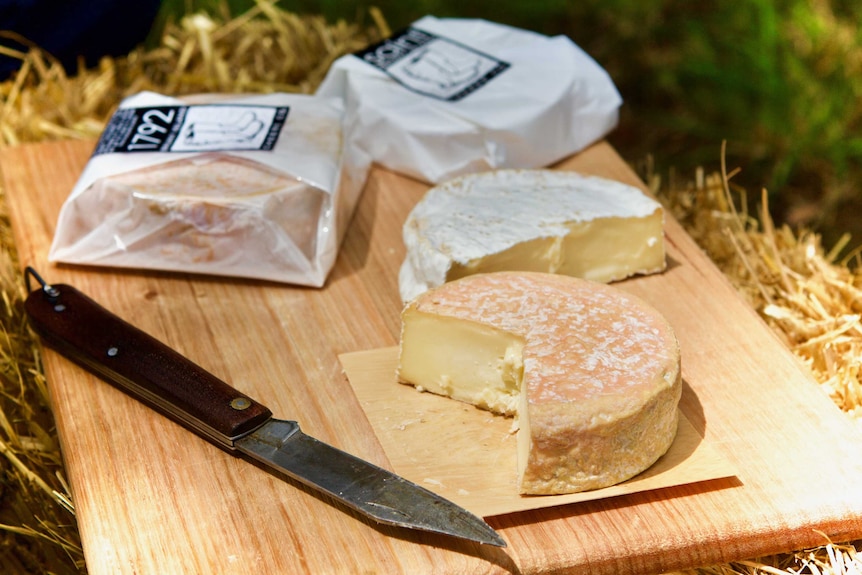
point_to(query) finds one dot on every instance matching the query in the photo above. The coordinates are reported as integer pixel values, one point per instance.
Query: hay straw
(37, 523)
(810, 299)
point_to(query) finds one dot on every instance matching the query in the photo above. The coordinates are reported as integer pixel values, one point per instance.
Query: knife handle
(142, 366)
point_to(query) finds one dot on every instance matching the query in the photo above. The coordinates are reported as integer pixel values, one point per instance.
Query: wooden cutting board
(152, 498)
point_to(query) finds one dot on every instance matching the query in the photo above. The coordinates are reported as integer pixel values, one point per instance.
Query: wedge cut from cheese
(591, 372)
(531, 220)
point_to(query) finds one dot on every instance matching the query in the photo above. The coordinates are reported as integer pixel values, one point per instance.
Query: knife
(162, 378)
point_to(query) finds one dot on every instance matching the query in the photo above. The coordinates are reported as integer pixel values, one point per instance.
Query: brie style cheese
(531, 220)
(591, 372)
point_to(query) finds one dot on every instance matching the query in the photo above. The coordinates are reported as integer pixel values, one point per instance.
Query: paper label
(198, 128)
(432, 65)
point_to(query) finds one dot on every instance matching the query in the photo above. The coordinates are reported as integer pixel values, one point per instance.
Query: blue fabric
(68, 29)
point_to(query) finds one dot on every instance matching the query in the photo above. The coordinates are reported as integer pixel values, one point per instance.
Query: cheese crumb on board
(531, 220)
(591, 372)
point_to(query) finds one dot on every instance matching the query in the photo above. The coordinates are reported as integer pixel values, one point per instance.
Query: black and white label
(198, 128)
(432, 65)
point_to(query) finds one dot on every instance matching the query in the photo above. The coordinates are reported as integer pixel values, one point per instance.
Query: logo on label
(208, 127)
(433, 66)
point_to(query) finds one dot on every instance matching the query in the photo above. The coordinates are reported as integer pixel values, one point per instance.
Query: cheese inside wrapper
(258, 187)
(451, 96)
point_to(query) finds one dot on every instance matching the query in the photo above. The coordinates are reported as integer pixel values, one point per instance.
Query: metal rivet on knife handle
(240, 403)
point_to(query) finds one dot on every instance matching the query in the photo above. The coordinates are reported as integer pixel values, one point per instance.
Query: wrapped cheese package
(257, 187)
(450, 96)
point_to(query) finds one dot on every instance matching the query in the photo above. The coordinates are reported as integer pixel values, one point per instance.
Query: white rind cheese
(591, 372)
(531, 220)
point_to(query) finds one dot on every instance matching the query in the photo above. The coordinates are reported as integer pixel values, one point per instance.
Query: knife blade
(152, 372)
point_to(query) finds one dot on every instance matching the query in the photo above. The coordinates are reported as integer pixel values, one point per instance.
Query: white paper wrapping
(277, 214)
(461, 95)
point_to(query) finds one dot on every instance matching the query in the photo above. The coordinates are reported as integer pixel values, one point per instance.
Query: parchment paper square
(469, 455)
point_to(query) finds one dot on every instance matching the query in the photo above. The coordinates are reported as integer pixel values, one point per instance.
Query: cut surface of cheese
(531, 220)
(591, 372)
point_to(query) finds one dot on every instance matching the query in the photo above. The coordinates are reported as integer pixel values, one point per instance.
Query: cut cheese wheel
(531, 220)
(591, 372)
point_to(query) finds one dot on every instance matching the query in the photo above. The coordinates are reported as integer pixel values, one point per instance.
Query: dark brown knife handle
(142, 366)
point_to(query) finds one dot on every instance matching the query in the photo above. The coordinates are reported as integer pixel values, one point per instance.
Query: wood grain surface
(151, 498)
